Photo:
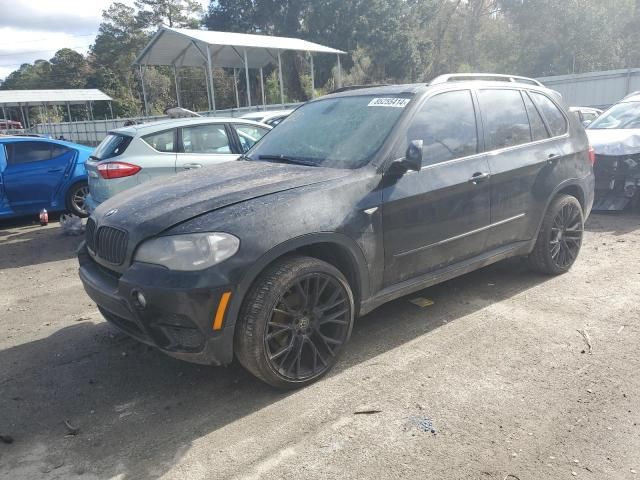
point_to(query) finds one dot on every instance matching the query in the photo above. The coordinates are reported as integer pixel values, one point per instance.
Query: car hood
(611, 141)
(158, 205)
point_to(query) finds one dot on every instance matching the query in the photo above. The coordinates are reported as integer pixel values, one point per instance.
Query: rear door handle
(191, 166)
(479, 177)
(553, 158)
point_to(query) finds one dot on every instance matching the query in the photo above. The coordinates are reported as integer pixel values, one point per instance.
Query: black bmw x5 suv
(356, 199)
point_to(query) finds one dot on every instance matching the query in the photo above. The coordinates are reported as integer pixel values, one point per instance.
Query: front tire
(294, 322)
(77, 199)
(560, 237)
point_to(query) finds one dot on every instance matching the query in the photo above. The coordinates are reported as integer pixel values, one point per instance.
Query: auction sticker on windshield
(389, 102)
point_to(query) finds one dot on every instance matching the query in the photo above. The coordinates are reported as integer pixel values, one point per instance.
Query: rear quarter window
(552, 114)
(162, 141)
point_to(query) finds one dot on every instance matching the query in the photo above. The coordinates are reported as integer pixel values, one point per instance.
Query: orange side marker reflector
(222, 308)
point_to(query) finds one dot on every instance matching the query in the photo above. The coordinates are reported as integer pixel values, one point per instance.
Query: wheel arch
(569, 187)
(336, 249)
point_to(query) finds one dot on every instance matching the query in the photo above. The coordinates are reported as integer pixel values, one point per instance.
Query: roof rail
(358, 87)
(491, 77)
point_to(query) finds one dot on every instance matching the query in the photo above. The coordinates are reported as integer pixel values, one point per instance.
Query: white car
(132, 155)
(271, 118)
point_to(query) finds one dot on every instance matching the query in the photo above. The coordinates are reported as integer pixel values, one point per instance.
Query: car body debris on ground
(492, 379)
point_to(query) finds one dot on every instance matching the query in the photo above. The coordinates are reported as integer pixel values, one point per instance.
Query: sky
(36, 29)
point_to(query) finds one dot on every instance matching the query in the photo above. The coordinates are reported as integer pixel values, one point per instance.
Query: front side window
(339, 132)
(249, 135)
(205, 139)
(28, 152)
(554, 117)
(622, 115)
(446, 124)
(161, 141)
(506, 123)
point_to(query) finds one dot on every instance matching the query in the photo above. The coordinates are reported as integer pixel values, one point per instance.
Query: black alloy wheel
(310, 320)
(294, 322)
(566, 236)
(560, 237)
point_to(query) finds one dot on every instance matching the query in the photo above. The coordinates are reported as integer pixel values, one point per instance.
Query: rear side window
(538, 130)
(505, 118)
(28, 152)
(552, 114)
(112, 146)
(162, 141)
(446, 124)
(205, 139)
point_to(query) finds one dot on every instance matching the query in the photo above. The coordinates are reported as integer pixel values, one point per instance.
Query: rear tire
(294, 322)
(77, 199)
(560, 237)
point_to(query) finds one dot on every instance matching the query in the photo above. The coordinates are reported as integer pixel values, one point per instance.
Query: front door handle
(553, 158)
(55, 170)
(191, 166)
(479, 177)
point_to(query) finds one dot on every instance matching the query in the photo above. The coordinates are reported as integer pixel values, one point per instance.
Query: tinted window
(538, 130)
(249, 135)
(554, 117)
(446, 124)
(161, 141)
(26, 152)
(59, 150)
(505, 119)
(205, 139)
(112, 146)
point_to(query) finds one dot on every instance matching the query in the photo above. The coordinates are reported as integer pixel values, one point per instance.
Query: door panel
(434, 218)
(204, 145)
(520, 156)
(439, 215)
(35, 173)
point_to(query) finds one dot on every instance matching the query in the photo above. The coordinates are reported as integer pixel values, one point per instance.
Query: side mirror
(413, 157)
(586, 123)
(412, 160)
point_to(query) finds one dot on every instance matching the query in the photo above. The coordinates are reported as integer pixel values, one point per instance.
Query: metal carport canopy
(18, 98)
(187, 48)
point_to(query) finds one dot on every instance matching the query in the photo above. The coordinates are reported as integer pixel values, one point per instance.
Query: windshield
(342, 132)
(622, 115)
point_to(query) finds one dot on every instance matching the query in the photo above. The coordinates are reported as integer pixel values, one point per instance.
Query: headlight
(194, 251)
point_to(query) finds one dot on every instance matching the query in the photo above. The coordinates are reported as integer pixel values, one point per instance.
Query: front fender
(358, 261)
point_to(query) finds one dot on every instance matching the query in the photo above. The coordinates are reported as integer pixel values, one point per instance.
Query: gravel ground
(493, 381)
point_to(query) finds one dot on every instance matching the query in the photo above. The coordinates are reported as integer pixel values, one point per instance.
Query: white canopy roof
(16, 98)
(188, 48)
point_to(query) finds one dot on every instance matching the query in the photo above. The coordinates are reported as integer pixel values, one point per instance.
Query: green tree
(174, 13)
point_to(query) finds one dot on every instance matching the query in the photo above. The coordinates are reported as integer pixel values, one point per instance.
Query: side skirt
(447, 273)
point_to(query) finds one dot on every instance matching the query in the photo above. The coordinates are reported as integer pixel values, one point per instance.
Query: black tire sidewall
(250, 334)
(544, 237)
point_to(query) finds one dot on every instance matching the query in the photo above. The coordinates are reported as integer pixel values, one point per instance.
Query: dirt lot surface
(493, 381)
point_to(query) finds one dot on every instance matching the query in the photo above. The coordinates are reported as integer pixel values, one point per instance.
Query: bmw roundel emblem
(113, 211)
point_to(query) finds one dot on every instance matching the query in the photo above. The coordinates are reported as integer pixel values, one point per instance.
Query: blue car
(37, 173)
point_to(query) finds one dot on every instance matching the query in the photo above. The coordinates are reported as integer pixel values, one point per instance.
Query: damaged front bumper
(176, 315)
(617, 181)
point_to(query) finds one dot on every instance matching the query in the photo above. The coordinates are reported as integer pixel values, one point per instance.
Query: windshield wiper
(285, 159)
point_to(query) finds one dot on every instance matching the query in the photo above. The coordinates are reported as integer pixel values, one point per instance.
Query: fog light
(140, 299)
